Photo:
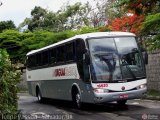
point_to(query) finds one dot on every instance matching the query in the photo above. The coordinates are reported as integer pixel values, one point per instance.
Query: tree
(144, 7)
(70, 17)
(11, 41)
(36, 21)
(151, 29)
(38, 15)
(77, 15)
(112, 9)
(128, 23)
(6, 25)
(151, 24)
(104, 12)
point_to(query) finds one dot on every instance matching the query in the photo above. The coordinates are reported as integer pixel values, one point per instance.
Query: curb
(148, 97)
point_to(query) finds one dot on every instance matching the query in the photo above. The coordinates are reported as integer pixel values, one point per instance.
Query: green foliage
(18, 44)
(38, 15)
(6, 25)
(9, 35)
(9, 77)
(153, 92)
(70, 17)
(153, 43)
(88, 30)
(151, 28)
(151, 24)
(11, 40)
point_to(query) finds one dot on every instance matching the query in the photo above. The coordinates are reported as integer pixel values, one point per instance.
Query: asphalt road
(58, 110)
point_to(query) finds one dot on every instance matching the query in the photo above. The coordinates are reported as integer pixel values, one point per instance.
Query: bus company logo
(59, 72)
(66, 71)
(123, 88)
(102, 85)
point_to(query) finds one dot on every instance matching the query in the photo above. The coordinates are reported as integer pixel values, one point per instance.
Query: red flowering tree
(140, 6)
(128, 23)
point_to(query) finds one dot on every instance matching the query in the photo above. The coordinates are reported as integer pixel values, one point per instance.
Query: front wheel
(77, 100)
(39, 96)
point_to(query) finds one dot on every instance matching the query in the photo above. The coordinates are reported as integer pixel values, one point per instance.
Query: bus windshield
(115, 59)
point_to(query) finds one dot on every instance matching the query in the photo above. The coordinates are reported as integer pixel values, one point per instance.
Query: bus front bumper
(116, 96)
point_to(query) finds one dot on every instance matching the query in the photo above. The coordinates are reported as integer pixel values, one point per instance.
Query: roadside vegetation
(9, 77)
(154, 93)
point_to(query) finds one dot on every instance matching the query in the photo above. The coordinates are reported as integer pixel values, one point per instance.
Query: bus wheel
(121, 102)
(39, 96)
(77, 100)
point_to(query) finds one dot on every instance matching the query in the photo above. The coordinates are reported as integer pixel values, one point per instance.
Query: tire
(39, 96)
(77, 100)
(121, 102)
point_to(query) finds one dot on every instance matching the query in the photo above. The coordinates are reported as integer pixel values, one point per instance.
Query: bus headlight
(99, 90)
(141, 86)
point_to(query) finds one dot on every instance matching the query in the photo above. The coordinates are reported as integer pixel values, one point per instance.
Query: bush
(18, 43)
(9, 77)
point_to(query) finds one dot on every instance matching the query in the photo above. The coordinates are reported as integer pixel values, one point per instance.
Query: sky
(18, 10)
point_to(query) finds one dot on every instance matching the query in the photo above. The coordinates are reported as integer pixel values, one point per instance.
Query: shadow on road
(91, 108)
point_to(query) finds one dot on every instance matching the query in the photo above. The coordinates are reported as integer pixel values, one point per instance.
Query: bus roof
(84, 36)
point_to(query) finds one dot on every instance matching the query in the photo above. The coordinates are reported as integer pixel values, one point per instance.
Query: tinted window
(80, 47)
(70, 51)
(44, 58)
(28, 61)
(53, 55)
(61, 54)
(31, 61)
(38, 59)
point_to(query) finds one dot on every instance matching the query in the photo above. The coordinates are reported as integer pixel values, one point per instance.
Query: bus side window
(38, 60)
(52, 56)
(28, 62)
(61, 53)
(44, 58)
(32, 61)
(70, 51)
(80, 48)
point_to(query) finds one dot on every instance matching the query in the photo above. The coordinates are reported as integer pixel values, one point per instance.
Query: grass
(153, 93)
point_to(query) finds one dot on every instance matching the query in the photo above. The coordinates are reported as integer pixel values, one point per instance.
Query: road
(58, 110)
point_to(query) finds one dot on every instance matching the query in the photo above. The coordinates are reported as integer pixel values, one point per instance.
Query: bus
(95, 68)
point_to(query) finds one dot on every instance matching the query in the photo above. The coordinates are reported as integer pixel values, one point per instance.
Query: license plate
(123, 96)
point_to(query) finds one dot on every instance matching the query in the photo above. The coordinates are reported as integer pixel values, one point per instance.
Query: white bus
(89, 68)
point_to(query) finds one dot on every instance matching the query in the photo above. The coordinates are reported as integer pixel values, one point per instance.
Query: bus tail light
(98, 90)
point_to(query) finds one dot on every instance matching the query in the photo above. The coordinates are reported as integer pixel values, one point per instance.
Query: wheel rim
(78, 99)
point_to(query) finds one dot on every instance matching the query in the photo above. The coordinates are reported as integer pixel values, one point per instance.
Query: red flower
(130, 23)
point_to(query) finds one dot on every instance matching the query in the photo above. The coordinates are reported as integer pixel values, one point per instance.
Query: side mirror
(145, 57)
